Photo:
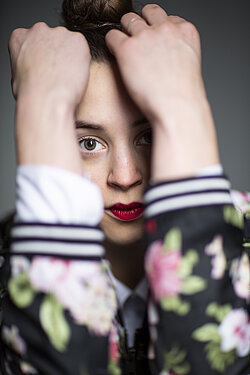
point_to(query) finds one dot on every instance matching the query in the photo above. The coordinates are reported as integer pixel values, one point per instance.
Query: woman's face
(115, 143)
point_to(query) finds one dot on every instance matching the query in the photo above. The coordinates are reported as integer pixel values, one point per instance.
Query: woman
(61, 315)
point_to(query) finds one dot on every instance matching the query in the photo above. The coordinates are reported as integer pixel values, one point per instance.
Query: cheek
(97, 171)
(144, 162)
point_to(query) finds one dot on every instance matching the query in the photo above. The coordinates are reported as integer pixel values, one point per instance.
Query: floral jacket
(59, 308)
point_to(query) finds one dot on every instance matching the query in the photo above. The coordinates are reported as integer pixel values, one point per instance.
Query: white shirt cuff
(48, 194)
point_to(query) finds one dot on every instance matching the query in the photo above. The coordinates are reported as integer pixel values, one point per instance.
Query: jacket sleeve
(197, 264)
(59, 303)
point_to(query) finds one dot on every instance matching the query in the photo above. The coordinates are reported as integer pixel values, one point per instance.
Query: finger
(154, 14)
(114, 38)
(176, 19)
(133, 24)
(16, 40)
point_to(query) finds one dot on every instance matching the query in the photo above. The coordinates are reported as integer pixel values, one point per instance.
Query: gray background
(224, 27)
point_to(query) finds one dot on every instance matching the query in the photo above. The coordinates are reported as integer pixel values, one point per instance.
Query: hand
(50, 71)
(160, 61)
(49, 61)
(159, 58)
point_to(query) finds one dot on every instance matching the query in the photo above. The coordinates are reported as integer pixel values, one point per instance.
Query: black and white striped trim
(64, 240)
(187, 193)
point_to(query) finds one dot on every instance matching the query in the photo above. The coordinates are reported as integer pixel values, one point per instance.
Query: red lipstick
(127, 212)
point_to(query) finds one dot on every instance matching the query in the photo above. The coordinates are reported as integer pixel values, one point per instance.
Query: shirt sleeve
(59, 303)
(53, 195)
(197, 265)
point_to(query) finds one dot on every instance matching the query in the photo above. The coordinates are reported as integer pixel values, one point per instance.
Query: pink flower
(81, 287)
(162, 269)
(113, 344)
(235, 332)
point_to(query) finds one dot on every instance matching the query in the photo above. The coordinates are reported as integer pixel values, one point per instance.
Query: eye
(145, 138)
(90, 144)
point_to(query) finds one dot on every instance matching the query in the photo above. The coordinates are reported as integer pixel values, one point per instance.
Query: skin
(119, 163)
(159, 61)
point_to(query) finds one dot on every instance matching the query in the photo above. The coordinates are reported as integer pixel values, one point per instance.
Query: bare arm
(160, 62)
(50, 70)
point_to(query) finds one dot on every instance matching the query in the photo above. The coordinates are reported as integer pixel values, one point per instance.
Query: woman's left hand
(159, 57)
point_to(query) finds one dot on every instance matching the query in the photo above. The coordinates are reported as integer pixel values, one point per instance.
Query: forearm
(45, 132)
(199, 278)
(184, 139)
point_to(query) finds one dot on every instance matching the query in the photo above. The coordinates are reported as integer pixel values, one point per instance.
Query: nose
(124, 172)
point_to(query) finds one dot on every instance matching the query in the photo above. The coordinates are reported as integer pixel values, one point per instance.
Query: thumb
(114, 40)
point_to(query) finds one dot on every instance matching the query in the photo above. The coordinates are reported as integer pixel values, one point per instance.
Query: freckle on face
(121, 168)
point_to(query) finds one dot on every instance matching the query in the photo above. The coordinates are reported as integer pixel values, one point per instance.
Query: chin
(123, 233)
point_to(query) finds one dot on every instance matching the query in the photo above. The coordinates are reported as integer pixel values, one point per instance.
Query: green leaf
(233, 216)
(54, 322)
(208, 332)
(172, 240)
(21, 290)
(181, 370)
(174, 361)
(114, 368)
(189, 260)
(170, 303)
(175, 304)
(175, 356)
(217, 311)
(193, 284)
(184, 308)
(218, 360)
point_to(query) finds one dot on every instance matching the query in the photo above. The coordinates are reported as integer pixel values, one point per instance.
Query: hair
(94, 18)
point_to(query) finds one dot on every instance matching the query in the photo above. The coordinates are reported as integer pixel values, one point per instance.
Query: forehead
(106, 100)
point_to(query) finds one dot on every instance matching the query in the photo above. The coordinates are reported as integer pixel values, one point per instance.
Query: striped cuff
(59, 240)
(187, 193)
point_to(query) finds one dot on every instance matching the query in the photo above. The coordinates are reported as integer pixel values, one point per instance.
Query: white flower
(235, 332)
(13, 339)
(27, 368)
(240, 273)
(19, 264)
(218, 262)
(241, 200)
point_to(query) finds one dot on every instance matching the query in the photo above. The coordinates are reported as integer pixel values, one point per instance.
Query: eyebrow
(80, 124)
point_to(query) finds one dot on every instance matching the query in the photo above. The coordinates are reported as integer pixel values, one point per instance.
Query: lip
(127, 212)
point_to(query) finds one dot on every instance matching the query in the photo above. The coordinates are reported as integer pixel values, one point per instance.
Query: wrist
(184, 140)
(45, 133)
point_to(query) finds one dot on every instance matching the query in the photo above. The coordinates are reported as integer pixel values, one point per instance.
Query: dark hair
(94, 18)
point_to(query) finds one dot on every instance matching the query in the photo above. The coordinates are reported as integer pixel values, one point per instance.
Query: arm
(195, 261)
(199, 276)
(59, 305)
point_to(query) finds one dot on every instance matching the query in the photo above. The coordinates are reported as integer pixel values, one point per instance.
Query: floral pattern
(226, 340)
(169, 272)
(234, 332)
(241, 200)
(240, 273)
(114, 355)
(79, 286)
(175, 362)
(218, 262)
(12, 338)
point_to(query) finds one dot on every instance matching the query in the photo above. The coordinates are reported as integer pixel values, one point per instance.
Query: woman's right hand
(50, 72)
(48, 61)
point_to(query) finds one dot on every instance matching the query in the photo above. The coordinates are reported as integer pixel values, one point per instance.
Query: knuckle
(168, 28)
(15, 34)
(190, 28)
(39, 26)
(151, 6)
